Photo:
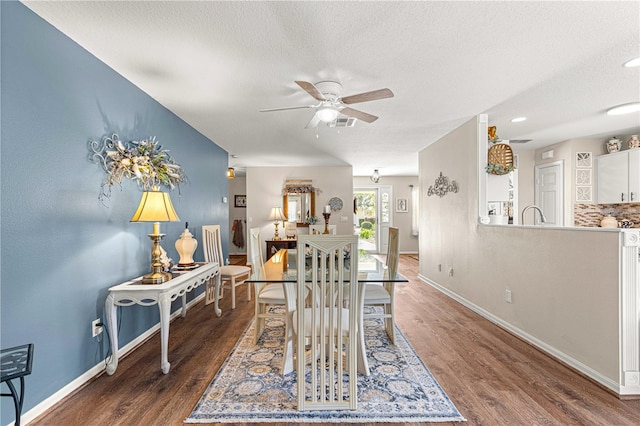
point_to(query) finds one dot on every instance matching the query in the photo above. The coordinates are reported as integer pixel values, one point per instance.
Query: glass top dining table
(281, 267)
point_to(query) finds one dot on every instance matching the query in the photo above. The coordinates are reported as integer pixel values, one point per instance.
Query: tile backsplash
(591, 214)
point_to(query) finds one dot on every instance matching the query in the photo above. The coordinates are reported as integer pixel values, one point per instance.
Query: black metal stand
(16, 363)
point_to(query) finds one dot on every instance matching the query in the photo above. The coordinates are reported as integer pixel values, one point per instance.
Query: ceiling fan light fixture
(624, 109)
(375, 177)
(327, 113)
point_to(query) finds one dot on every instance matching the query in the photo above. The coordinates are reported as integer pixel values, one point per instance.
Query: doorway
(549, 193)
(372, 217)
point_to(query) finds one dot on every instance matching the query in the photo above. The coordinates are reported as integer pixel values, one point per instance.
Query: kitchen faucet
(543, 219)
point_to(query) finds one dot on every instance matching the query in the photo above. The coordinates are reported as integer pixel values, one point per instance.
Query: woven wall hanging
(500, 159)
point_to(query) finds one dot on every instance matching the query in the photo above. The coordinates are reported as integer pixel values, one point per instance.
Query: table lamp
(155, 206)
(276, 215)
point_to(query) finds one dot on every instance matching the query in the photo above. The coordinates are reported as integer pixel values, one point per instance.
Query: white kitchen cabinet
(634, 175)
(619, 177)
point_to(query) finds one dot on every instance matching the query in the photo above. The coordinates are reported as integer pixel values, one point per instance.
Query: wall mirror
(299, 201)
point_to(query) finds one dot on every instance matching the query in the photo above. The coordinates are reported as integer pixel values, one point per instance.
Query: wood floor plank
(493, 377)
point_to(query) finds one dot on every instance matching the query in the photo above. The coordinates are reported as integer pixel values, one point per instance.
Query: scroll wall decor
(442, 186)
(143, 161)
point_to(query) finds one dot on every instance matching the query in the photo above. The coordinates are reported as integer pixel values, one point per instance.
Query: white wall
(264, 191)
(401, 189)
(564, 282)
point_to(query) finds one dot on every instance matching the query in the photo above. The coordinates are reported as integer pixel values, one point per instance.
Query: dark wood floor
(491, 376)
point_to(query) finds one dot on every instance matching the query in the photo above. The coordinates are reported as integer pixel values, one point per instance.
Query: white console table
(135, 293)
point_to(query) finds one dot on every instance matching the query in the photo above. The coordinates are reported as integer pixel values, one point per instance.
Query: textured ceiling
(216, 64)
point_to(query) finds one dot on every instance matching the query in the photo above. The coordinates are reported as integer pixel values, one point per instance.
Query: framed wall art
(402, 205)
(584, 194)
(241, 201)
(584, 159)
(583, 176)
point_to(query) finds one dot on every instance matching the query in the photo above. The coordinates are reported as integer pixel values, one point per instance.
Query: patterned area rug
(249, 388)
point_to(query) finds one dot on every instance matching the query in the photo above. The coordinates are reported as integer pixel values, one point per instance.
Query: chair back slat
(255, 249)
(393, 253)
(327, 321)
(255, 253)
(212, 244)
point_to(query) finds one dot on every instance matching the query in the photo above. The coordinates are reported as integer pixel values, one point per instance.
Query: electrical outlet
(507, 296)
(95, 328)
(450, 272)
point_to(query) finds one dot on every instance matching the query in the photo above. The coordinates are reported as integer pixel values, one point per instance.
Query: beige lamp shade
(155, 206)
(276, 214)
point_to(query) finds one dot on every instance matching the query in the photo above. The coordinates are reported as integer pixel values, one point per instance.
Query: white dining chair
(234, 275)
(266, 294)
(382, 294)
(324, 327)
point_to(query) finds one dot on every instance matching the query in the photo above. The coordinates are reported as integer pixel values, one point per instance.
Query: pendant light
(375, 177)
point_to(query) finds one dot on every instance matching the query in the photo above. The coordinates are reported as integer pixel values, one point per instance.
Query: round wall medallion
(336, 204)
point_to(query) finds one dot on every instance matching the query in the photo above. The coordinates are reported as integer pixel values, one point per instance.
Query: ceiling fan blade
(368, 96)
(312, 90)
(287, 108)
(358, 114)
(315, 120)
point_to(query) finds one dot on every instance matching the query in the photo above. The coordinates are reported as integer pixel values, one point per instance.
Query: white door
(549, 194)
(373, 209)
(366, 217)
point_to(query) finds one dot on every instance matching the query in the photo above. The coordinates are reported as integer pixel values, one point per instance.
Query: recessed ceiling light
(624, 109)
(518, 119)
(632, 63)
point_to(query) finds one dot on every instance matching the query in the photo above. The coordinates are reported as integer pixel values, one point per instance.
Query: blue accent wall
(61, 248)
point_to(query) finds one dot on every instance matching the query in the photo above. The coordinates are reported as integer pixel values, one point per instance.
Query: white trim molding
(630, 312)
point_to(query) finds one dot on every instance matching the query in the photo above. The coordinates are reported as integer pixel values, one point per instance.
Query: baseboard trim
(98, 369)
(570, 362)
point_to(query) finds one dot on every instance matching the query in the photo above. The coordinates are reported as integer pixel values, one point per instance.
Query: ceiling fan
(331, 104)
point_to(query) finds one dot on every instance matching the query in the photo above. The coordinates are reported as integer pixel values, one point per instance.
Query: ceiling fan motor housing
(330, 89)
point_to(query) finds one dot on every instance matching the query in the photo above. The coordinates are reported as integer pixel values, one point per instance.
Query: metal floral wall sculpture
(442, 186)
(144, 161)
